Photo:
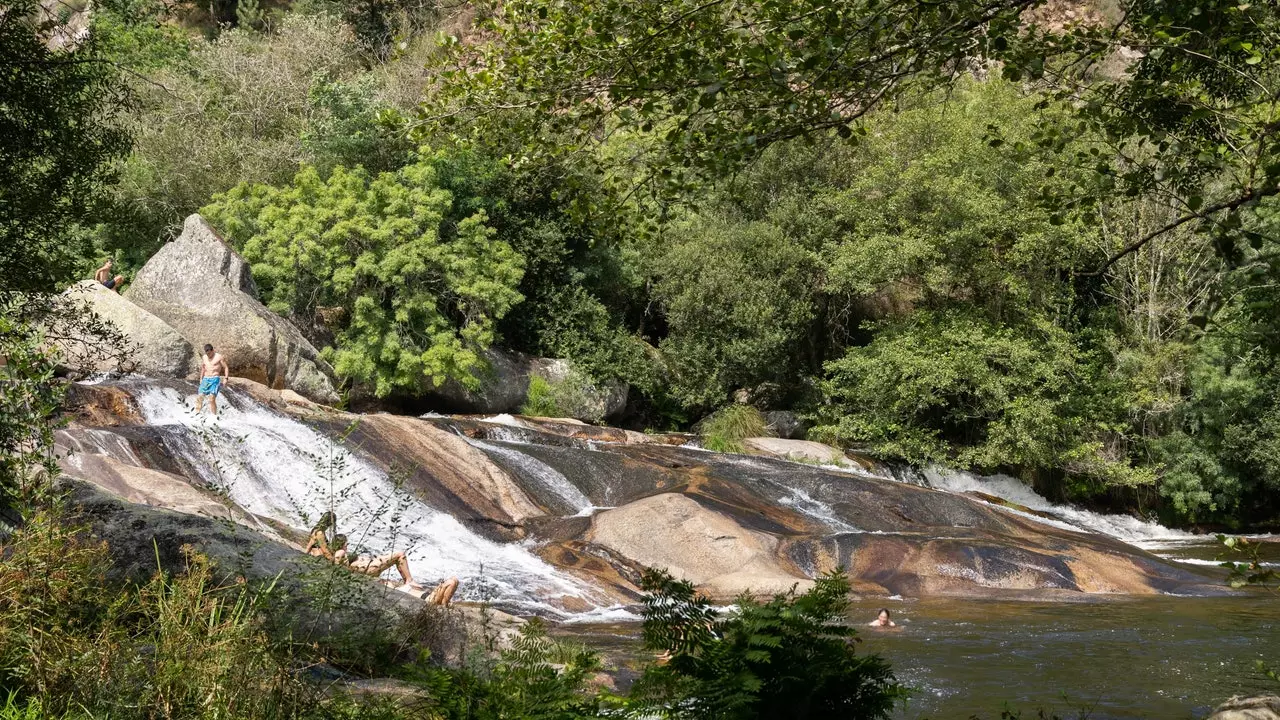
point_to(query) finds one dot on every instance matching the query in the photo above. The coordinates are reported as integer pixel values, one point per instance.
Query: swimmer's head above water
(882, 619)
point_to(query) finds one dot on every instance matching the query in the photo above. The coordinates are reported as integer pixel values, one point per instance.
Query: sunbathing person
(374, 566)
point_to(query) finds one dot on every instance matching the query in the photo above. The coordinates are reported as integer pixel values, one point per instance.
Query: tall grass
(725, 430)
(179, 646)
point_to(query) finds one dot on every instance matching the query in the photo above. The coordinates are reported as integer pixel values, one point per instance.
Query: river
(1158, 657)
(1112, 656)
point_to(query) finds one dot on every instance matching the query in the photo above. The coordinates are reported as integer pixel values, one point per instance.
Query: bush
(792, 656)
(536, 678)
(410, 291)
(727, 428)
(177, 647)
(572, 396)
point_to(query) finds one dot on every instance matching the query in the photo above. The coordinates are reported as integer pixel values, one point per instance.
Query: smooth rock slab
(707, 548)
(1257, 707)
(152, 347)
(204, 289)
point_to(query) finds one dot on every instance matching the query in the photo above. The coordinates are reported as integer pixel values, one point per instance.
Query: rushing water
(277, 467)
(538, 474)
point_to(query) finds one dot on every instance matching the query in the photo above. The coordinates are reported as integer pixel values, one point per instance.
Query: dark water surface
(1162, 657)
(1159, 657)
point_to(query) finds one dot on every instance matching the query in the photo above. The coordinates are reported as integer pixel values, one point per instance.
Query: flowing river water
(1116, 657)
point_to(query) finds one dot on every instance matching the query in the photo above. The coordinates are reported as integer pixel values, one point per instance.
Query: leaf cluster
(791, 656)
(410, 291)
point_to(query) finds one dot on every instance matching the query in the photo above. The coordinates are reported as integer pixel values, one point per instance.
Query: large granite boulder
(708, 548)
(152, 347)
(1257, 707)
(204, 289)
(504, 387)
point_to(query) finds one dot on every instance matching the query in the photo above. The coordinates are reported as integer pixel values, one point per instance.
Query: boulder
(504, 386)
(141, 539)
(204, 289)
(799, 450)
(152, 347)
(1257, 707)
(786, 424)
(705, 547)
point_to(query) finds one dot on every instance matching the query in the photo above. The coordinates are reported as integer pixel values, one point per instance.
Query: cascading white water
(816, 509)
(275, 466)
(1130, 529)
(541, 473)
(803, 502)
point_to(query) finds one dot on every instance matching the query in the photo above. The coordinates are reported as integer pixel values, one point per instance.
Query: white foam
(505, 419)
(541, 473)
(275, 466)
(1122, 527)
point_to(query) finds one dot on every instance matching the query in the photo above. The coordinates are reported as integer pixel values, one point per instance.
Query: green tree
(244, 107)
(1178, 102)
(711, 83)
(738, 300)
(60, 132)
(791, 656)
(410, 295)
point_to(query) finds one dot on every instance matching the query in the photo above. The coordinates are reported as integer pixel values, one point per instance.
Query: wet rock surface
(601, 504)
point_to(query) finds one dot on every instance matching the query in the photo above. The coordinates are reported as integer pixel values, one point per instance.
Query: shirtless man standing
(213, 370)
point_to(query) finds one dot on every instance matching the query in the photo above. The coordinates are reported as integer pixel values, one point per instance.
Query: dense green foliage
(59, 134)
(792, 656)
(412, 291)
(979, 234)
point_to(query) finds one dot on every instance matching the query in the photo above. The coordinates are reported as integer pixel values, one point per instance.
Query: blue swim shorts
(210, 385)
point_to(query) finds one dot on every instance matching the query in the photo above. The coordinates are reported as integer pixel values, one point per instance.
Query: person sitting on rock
(104, 277)
(882, 620)
(213, 370)
(318, 541)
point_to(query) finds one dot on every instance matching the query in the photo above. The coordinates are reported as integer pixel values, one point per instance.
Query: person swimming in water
(882, 619)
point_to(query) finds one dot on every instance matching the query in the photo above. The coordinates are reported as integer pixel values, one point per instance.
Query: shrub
(792, 656)
(572, 396)
(537, 678)
(417, 290)
(179, 646)
(727, 428)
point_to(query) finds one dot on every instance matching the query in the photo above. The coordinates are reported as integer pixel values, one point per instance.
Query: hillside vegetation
(1010, 238)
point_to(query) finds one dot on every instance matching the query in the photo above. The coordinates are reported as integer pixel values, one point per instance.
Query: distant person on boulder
(103, 276)
(213, 369)
(882, 620)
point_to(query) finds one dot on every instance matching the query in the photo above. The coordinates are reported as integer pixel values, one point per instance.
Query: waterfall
(1130, 529)
(277, 467)
(541, 474)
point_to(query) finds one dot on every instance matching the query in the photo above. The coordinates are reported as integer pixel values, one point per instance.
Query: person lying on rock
(882, 620)
(374, 566)
(104, 277)
(213, 370)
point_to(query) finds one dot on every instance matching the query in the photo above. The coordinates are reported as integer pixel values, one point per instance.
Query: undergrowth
(725, 430)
